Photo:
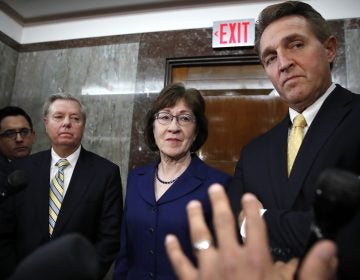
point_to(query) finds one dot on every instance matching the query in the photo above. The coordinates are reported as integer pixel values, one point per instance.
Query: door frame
(172, 63)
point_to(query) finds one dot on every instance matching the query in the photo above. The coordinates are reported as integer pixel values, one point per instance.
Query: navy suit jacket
(147, 221)
(91, 207)
(332, 140)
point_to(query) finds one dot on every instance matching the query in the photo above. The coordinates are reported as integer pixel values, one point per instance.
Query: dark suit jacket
(4, 165)
(147, 221)
(333, 140)
(92, 207)
(6, 260)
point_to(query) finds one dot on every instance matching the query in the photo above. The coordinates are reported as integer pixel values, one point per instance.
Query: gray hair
(62, 96)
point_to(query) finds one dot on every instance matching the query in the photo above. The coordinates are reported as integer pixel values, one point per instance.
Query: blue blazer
(146, 221)
(333, 140)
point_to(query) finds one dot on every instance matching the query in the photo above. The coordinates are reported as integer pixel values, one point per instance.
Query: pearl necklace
(161, 181)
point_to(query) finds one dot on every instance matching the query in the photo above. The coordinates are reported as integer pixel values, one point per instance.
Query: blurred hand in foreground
(231, 260)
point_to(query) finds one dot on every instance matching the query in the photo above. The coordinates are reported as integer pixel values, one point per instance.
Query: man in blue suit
(86, 200)
(297, 50)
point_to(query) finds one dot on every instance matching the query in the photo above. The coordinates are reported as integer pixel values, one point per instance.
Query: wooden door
(233, 122)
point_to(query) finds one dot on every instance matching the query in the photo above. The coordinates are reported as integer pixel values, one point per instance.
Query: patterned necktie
(295, 138)
(56, 193)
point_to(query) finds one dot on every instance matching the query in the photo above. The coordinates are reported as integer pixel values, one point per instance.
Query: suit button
(151, 252)
(151, 275)
(154, 209)
(151, 230)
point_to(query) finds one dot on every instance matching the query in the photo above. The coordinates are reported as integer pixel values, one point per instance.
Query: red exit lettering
(238, 32)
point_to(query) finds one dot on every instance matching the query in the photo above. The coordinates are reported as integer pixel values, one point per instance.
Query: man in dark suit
(86, 200)
(297, 50)
(17, 137)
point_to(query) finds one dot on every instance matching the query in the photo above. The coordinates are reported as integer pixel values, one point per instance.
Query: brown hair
(317, 23)
(168, 97)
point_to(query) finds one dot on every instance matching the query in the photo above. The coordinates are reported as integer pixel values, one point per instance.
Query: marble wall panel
(352, 38)
(103, 77)
(8, 61)
(339, 67)
(140, 153)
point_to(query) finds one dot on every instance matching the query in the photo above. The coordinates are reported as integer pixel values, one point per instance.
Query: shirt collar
(310, 112)
(71, 158)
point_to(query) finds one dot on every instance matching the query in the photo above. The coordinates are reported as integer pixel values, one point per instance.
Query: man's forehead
(10, 122)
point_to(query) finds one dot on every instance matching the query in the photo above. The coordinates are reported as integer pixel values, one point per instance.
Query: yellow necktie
(56, 193)
(295, 138)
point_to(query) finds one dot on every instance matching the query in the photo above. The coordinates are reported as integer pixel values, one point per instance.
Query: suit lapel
(40, 194)
(188, 181)
(326, 121)
(278, 162)
(191, 179)
(145, 183)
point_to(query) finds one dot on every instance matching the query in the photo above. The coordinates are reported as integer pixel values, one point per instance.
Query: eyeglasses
(12, 134)
(166, 118)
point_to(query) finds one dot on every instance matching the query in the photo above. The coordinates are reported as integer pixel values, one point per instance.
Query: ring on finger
(202, 244)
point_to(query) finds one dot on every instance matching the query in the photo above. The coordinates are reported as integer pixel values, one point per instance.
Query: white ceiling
(36, 21)
(35, 11)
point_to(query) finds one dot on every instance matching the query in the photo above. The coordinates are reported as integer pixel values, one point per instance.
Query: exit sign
(233, 33)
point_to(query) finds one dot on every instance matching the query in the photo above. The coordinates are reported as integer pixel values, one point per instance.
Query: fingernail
(215, 188)
(169, 238)
(328, 252)
(193, 204)
(248, 197)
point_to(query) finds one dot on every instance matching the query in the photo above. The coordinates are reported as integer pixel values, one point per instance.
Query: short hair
(14, 111)
(317, 23)
(62, 96)
(168, 97)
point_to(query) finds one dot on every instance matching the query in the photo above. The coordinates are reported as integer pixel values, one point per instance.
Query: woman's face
(174, 130)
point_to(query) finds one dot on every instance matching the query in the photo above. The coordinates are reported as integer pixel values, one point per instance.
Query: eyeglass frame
(161, 121)
(12, 133)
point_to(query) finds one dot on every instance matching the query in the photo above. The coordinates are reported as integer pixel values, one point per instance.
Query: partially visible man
(17, 135)
(70, 190)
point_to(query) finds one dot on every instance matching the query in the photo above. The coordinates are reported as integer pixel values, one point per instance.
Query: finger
(256, 235)
(320, 263)
(184, 269)
(285, 270)
(198, 227)
(223, 218)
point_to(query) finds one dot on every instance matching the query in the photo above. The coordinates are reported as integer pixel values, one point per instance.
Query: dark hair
(168, 97)
(317, 23)
(14, 111)
(62, 96)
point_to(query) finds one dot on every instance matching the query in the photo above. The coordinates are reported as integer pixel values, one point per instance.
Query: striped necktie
(56, 193)
(295, 138)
